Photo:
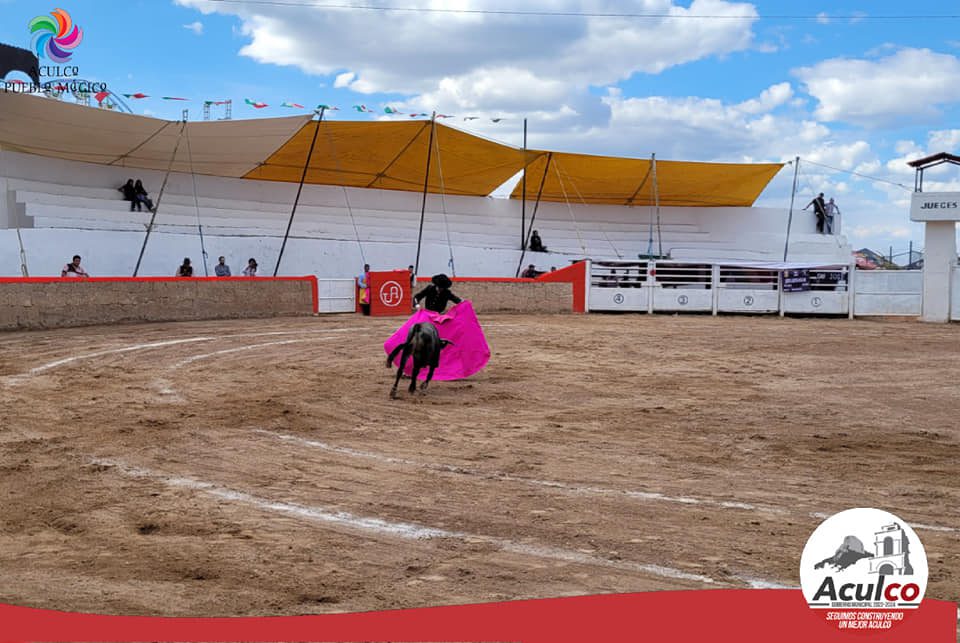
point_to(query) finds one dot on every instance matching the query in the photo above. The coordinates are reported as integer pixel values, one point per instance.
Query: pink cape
(468, 353)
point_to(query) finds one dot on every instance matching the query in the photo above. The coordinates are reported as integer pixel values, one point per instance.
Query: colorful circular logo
(863, 569)
(55, 37)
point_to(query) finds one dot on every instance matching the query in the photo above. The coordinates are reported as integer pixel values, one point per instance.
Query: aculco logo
(864, 567)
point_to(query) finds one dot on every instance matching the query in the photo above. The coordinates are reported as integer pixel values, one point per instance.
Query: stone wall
(57, 303)
(520, 296)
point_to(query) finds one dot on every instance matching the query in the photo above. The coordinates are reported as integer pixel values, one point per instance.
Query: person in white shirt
(832, 212)
(251, 269)
(73, 269)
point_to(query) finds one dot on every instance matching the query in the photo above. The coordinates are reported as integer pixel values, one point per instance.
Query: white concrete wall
(245, 219)
(888, 292)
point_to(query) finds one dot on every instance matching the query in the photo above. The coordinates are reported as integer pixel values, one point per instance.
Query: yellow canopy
(381, 154)
(583, 178)
(68, 131)
(392, 155)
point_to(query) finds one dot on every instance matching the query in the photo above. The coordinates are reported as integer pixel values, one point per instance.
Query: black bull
(17, 59)
(424, 345)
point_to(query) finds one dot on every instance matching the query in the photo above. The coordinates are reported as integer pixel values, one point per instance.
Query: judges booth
(390, 293)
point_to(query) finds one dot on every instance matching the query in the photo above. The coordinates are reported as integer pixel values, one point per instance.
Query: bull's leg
(429, 377)
(403, 363)
(413, 377)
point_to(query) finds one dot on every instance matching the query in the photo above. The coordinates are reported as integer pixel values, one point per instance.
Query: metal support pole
(523, 201)
(536, 206)
(156, 207)
(793, 194)
(426, 184)
(296, 200)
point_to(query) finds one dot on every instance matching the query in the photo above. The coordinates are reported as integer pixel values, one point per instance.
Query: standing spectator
(130, 194)
(832, 213)
(413, 277)
(142, 196)
(363, 282)
(222, 269)
(185, 270)
(73, 269)
(819, 209)
(536, 243)
(251, 269)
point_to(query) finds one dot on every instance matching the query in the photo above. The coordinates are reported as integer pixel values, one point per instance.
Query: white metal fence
(336, 295)
(666, 286)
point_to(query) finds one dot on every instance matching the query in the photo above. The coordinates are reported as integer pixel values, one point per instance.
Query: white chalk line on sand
(916, 525)
(405, 530)
(250, 347)
(563, 486)
(15, 379)
(506, 477)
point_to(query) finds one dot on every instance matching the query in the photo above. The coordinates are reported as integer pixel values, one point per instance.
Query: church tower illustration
(893, 552)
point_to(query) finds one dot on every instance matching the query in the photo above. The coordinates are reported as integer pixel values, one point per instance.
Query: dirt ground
(258, 467)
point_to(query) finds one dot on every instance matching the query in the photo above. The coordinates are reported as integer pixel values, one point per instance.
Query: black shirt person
(536, 243)
(819, 209)
(437, 294)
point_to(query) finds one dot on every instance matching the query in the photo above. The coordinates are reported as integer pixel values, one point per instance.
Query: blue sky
(840, 84)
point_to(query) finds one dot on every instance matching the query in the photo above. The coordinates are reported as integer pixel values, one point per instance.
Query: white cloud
(823, 18)
(196, 27)
(412, 52)
(909, 84)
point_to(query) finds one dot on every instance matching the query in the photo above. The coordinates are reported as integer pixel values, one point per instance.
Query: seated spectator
(536, 244)
(142, 196)
(553, 268)
(185, 270)
(222, 269)
(530, 272)
(251, 269)
(130, 194)
(73, 269)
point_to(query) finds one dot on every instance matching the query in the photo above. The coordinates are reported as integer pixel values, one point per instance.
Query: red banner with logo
(745, 616)
(390, 294)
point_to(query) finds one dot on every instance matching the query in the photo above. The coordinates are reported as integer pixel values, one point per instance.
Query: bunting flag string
(389, 110)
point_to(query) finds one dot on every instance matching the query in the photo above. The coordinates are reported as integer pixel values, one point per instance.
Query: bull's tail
(414, 331)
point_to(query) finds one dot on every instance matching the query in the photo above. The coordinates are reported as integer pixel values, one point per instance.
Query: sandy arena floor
(258, 467)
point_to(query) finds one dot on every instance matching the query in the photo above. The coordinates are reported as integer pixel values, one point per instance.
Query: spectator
(73, 269)
(363, 281)
(142, 196)
(536, 244)
(832, 211)
(222, 269)
(530, 272)
(553, 268)
(251, 269)
(130, 194)
(185, 270)
(437, 294)
(413, 277)
(819, 209)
